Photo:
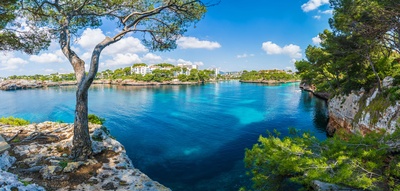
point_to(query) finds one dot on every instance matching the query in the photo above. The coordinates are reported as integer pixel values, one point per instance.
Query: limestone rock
(49, 172)
(72, 166)
(344, 112)
(387, 82)
(323, 186)
(117, 169)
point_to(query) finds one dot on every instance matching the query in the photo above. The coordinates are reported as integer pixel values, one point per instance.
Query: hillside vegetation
(360, 50)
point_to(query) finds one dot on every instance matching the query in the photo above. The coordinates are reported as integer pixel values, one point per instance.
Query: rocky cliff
(38, 160)
(364, 111)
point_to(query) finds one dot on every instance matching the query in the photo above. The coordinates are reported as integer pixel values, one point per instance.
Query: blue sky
(234, 35)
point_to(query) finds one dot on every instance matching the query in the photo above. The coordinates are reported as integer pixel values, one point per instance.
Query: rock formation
(363, 111)
(38, 160)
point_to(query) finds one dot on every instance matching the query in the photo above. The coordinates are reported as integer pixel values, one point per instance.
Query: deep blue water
(185, 137)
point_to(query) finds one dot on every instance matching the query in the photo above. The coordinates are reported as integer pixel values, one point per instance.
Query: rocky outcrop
(311, 88)
(363, 111)
(38, 160)
(31, 84)
(323, 186)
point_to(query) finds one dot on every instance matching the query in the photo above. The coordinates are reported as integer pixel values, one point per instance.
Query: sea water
(187, 137)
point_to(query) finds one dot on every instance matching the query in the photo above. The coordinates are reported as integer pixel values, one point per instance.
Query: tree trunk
(82, 145)
(376, 74)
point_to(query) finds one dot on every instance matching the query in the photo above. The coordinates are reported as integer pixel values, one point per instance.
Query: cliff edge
(38, 160)
(364, 111)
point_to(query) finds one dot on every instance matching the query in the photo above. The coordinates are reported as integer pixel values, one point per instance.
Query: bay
(186, 137)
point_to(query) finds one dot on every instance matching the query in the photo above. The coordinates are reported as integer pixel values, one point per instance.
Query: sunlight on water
(247, 115)
(191, 151)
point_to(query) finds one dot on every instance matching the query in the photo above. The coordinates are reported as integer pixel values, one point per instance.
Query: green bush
(346, 159)
(96, 119)
(13, 121)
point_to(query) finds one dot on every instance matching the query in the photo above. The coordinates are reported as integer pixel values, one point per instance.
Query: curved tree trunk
(376, 73)
(82, 145)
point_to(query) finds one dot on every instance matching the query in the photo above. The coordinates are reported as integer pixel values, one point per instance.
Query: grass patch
(13, 121)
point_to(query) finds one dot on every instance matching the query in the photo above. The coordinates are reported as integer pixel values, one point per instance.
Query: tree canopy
(159, 23)
(16, 33)
(361, 49)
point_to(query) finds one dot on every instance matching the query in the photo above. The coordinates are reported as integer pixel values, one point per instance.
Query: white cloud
(125, 45)
(198, 63)
(316, 40)
(86, 56)
(293, 61)
(192, 42)
(49, 71)
(123, 59)
(170, 60)
(244, 55)
(90, 38)
(152, 58)
(292, 50)
(318, 17)
(328, 12)
(10, 62)
(46, 58)
(313, 4)
(182, 61)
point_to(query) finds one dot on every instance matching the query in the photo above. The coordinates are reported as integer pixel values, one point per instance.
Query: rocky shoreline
(38, 160)
(32, 84)
(311, 88)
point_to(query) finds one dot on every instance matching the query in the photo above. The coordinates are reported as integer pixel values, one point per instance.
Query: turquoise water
(185, 137)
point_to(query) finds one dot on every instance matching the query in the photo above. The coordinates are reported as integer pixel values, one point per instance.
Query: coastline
(311, 88)
(8, 85)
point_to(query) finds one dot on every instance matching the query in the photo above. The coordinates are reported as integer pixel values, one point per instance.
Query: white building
(141, 70)
(188, 68)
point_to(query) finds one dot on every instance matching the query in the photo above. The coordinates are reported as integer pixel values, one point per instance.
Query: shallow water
(185, 137)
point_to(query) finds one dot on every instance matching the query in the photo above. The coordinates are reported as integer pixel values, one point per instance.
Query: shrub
(96, 119)
(346, 159)
(14, 121)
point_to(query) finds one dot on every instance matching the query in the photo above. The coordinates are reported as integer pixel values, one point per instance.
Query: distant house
(215, 70)
(233, 74)
(143, 70)
(188, 68)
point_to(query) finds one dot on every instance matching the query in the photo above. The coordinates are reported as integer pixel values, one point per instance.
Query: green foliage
(275, 75)
(139, 65)
(13, 121)
(346, 159)
(361, 49)
(165, 65)
(63, 164)
(13, 38)
(182, 78)
(96, 119)
(16, 140)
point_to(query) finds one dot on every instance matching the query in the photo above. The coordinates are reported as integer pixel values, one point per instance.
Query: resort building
(188, 68)
(143, 70)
